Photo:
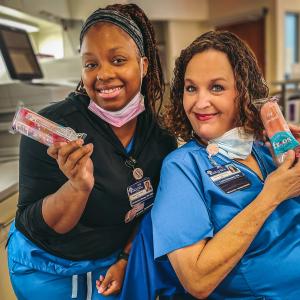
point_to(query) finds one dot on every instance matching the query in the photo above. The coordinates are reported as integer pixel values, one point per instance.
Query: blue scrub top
(189, 207)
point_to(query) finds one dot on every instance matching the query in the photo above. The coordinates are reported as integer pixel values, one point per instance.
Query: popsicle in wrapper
(41, 129)
(277, 128)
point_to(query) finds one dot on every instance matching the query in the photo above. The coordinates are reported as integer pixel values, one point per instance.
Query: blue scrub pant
(30, 284)
(38, 275)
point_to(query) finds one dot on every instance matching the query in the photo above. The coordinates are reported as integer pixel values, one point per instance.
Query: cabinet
(8, 205)
(7, 214)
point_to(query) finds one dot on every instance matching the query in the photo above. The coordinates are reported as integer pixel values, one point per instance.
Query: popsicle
(277, 128)
(41, 129)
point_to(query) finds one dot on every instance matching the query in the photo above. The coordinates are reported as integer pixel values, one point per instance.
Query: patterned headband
(116, 18)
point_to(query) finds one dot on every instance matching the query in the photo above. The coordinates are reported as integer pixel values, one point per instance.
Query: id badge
(141, 198)
(228, 178)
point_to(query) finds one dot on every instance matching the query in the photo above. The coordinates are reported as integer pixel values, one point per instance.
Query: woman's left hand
(112, 282)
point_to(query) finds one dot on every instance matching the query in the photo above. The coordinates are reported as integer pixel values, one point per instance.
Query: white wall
(179, 35)
(155, 9)
(82, 9)
(17, 4)
(191, 10)
(50, 42)
(282, 7)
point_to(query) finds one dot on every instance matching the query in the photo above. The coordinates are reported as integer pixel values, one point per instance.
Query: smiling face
(109, 54)
(209, 94)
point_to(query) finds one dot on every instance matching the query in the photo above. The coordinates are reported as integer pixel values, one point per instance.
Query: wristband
(123, 255)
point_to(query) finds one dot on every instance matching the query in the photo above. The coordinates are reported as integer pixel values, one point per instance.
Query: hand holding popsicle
(73, 158)
(277, 129)
(74, 161)
(283, 183)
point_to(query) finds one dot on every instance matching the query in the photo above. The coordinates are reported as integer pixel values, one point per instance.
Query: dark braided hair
(153, 86)
(249, 82)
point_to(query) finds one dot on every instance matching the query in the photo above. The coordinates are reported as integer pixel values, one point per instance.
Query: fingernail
(101, 289)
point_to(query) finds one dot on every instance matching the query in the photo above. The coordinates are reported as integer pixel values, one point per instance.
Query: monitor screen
(18, 54)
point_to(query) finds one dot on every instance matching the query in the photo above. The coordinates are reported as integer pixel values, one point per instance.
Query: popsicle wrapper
(41, 129)
(276, 127)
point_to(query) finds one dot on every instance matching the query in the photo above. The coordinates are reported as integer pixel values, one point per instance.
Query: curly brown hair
(249, 81)
(153, 86)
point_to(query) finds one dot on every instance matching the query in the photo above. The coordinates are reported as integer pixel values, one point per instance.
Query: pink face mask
(124, 115)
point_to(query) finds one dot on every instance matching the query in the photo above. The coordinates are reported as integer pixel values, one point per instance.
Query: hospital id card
(228, 178)
(140, 196)
(140, 191)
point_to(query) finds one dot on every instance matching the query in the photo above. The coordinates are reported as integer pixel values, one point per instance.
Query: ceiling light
(24, 26)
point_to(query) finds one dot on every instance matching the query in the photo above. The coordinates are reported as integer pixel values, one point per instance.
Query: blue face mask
(235, 143)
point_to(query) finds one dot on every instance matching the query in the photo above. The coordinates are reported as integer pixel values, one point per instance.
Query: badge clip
(137, 173)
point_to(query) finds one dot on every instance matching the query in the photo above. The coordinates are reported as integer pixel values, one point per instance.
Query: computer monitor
(18, 54)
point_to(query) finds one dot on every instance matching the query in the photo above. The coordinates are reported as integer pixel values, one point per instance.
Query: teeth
(108, 91)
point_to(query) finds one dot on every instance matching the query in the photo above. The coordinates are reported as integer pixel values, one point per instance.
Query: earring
(80, 88)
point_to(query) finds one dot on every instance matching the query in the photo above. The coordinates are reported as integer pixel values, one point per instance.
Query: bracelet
(123, 255)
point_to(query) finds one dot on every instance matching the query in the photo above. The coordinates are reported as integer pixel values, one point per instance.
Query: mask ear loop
(142, 77)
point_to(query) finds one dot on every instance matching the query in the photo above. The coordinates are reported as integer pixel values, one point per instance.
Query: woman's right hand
(74, 161)
(284, 182)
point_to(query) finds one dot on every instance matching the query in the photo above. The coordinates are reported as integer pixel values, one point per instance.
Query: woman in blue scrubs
(224, 215)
